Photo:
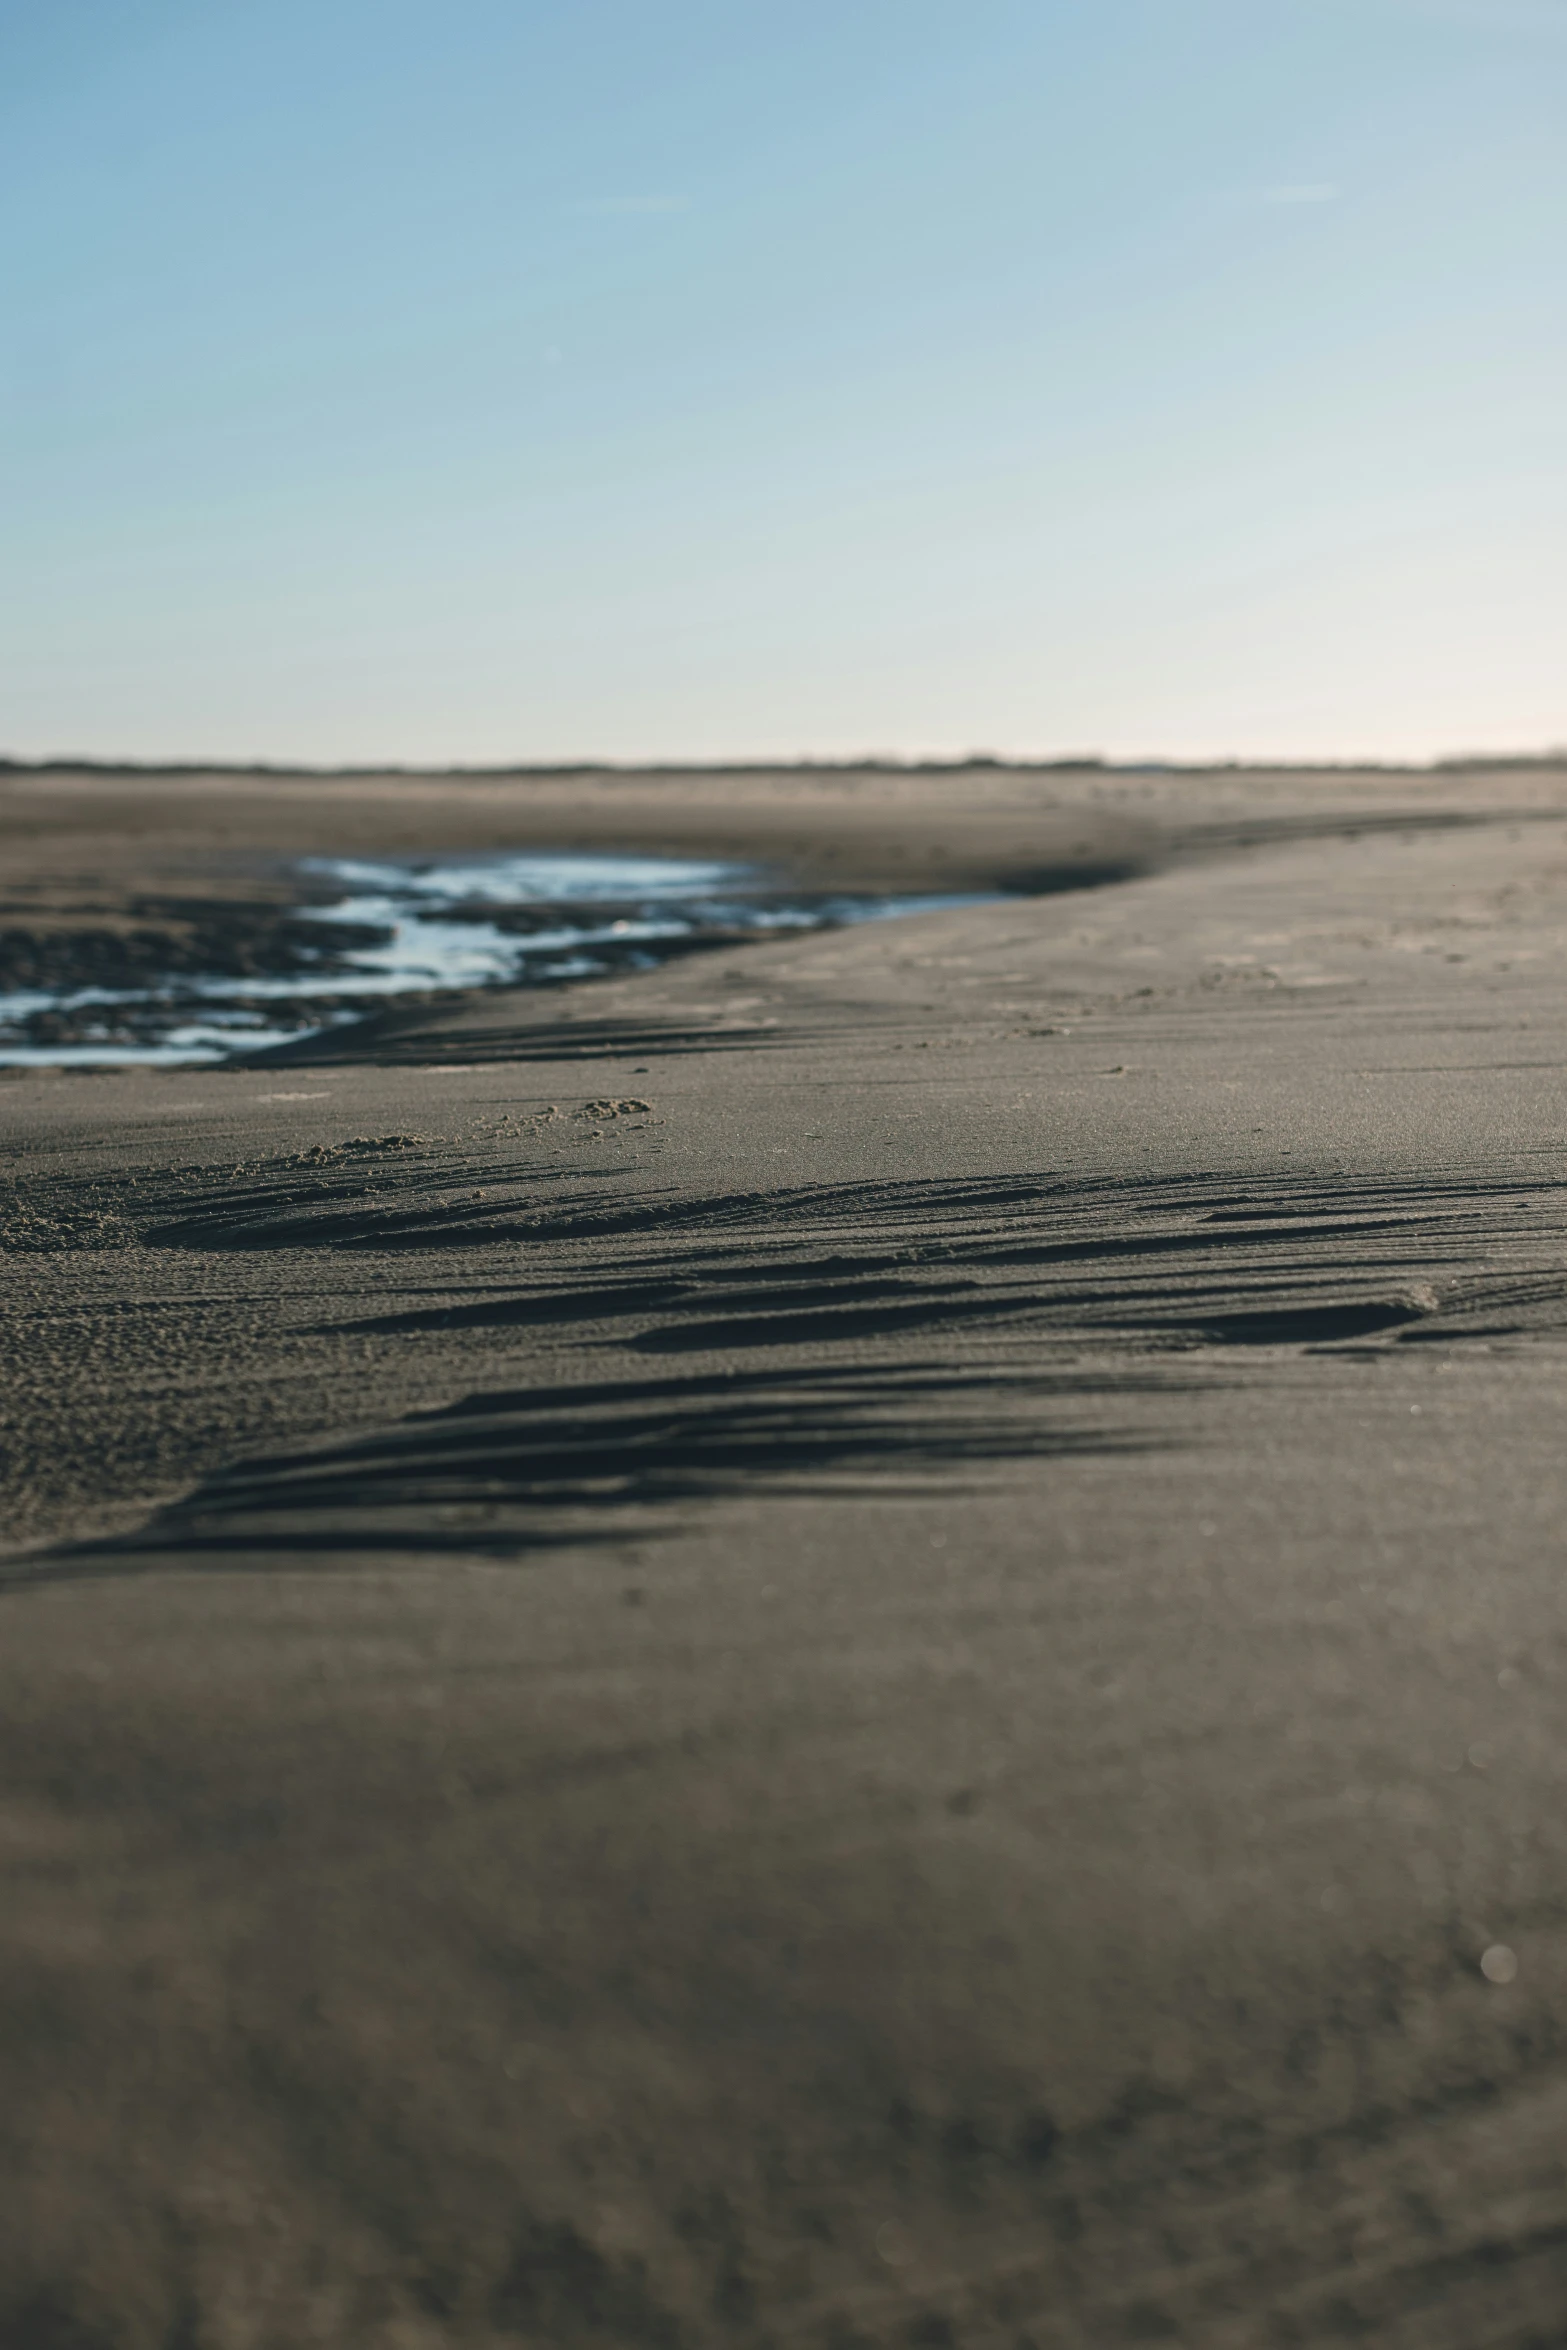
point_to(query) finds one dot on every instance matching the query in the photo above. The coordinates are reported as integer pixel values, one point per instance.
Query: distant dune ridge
(855, 1644)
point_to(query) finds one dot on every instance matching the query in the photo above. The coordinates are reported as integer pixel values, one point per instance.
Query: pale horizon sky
(1158, 379)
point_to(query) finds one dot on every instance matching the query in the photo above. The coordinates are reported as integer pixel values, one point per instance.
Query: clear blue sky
(494, 380)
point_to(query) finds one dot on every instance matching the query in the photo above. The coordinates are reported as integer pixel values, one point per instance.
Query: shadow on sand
(507, 1473)
(876, 1336)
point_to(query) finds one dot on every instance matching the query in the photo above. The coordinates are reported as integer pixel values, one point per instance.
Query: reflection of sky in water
(614, 912)
(547, 878)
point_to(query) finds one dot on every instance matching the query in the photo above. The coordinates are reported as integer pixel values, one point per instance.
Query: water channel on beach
(394, 927)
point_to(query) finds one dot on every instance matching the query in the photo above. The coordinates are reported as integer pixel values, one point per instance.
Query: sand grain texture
(853, 1645)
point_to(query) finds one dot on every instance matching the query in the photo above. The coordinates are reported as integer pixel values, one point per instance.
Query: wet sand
(857, 1644)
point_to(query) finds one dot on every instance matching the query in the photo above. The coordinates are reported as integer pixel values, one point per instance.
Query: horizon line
(876, 762)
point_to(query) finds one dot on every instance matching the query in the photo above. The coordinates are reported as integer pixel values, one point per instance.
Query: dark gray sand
(858, 1644)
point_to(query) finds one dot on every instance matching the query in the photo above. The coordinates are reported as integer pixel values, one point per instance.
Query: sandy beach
(858, 1643)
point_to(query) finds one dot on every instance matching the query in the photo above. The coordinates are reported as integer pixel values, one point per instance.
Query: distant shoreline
(546, 770)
